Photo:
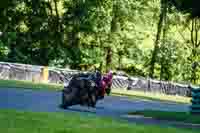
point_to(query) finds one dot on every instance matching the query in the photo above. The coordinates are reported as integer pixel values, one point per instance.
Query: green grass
(132, 94)
(153, 96)
(30, 85)
(174, 116)
(29, 122)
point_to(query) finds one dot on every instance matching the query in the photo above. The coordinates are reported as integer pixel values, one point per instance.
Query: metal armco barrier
(195, 107)
(15, 71)
(120, 82)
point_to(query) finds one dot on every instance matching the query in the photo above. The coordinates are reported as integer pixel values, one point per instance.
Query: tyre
(69, 97)
(63, 103)
(93, 100)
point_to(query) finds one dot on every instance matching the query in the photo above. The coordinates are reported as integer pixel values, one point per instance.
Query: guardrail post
(45, 74)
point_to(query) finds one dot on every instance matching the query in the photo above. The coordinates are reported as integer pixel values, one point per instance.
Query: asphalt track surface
(112, 106)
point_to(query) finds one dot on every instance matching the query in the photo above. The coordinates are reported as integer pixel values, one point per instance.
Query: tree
(194, 45)
(187, 6)
(193, 9)
(162, 18)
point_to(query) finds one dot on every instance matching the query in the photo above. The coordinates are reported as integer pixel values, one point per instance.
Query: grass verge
(29, 85)
(29, 122)
(152, 96)
(119, 92)
(174, 116)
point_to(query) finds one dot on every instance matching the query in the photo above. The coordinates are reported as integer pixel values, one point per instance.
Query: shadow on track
(85, 110)
(82, 109)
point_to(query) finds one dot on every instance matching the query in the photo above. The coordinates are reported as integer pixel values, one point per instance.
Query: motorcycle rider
(105, 85)
(102, 84)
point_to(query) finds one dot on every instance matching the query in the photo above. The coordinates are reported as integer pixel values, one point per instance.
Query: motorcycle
(82, 90)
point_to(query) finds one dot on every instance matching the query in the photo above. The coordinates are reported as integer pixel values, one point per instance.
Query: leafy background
(156, 38)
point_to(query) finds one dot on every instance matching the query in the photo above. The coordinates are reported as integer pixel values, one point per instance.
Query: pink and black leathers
(105, 85)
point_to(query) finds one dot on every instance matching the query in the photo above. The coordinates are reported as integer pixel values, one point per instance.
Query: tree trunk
(195, 46)
(113, 29)
(74, 48)
(159, 32)
(59, 26)
(120, 54)
(108, 58)
(164, 38)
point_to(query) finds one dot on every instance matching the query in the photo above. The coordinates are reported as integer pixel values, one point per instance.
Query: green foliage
(187, 6)
(116, 34)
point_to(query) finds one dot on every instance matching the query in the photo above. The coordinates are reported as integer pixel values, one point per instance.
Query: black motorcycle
(82, 90)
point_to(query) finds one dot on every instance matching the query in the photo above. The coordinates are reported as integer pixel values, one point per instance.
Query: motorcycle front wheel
(68, 98)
